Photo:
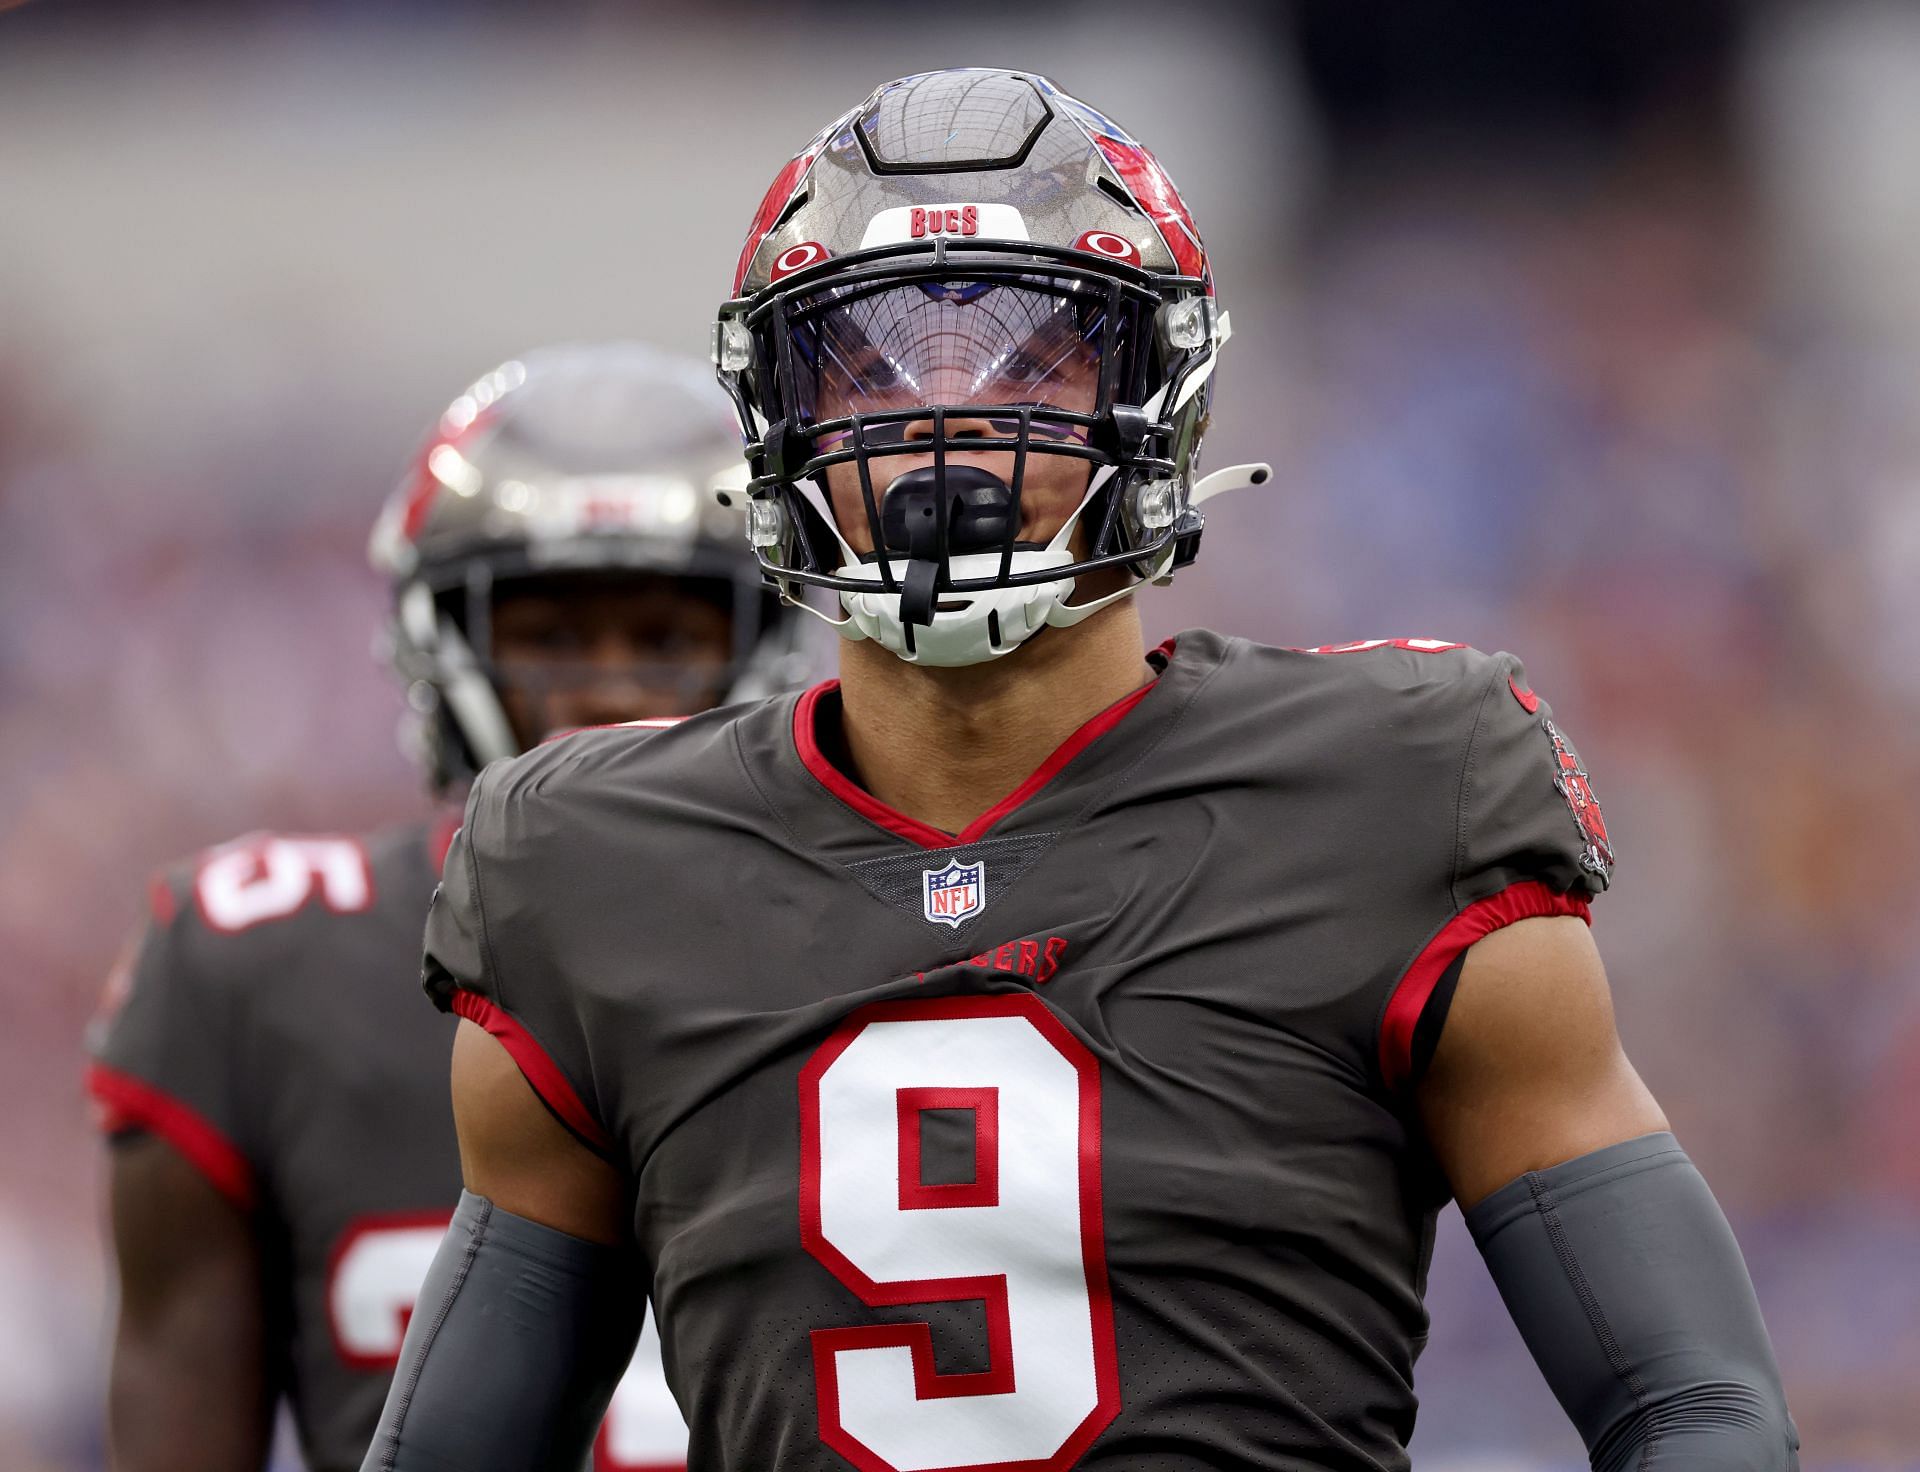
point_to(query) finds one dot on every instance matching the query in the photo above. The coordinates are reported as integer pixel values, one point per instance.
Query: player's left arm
(1529, 1072)
(1612, 1255)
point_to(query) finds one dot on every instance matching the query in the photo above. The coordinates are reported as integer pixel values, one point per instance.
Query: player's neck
(943, 746)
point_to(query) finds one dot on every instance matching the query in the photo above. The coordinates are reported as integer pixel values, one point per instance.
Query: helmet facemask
(950, 442)
(479, 703)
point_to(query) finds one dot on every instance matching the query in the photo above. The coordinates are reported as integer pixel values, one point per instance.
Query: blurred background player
(283, 1160)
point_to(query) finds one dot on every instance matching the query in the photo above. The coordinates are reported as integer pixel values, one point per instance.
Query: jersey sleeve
(486, 880)
(1527, 808)
(163, 1056)
(1530, 841)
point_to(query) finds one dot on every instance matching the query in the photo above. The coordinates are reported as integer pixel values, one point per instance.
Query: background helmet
(588, 459)
(953, 224)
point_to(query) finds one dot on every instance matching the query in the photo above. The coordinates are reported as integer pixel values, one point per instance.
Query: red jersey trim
(160, 901)
(536, 1064)
(1522, 901)
(129, 1103)
(439, 840)
(807, 743)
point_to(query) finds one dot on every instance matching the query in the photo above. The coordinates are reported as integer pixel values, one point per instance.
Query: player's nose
(956, 425)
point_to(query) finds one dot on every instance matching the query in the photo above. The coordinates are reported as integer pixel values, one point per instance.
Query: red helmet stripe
(1153, 191)
(420, 496)
(778, 193)
(426, 485)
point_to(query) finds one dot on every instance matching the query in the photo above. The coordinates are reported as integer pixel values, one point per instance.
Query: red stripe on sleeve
(129, 1103)
(536, 1064)
(1522, 901)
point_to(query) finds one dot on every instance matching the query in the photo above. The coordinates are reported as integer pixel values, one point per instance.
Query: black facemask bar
(1118, 435)
(466, 587)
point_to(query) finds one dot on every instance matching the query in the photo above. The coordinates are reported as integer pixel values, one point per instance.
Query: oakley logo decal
(1107, 243)
(797, 258)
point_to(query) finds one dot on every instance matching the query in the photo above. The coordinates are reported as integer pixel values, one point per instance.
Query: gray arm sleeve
(1624, 1279)
(516, 1342)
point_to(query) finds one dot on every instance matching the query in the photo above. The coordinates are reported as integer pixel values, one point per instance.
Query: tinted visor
(1040, 345)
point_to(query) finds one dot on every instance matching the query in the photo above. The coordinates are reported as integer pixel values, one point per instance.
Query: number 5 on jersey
(1024, 1237)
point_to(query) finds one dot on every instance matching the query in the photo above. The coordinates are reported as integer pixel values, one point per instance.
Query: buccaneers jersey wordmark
(1078, 1138)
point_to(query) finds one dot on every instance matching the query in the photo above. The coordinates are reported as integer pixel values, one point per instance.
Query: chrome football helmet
(579, 461)
(971, 266)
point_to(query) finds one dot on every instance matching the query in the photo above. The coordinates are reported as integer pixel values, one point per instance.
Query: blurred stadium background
(1588, 329)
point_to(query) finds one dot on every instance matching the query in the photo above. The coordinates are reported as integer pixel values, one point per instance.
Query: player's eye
(1024, 367)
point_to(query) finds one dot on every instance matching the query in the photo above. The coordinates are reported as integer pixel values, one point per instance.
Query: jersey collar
(1118, 721)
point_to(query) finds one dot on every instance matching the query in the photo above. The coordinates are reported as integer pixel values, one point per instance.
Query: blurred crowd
(1632, 408)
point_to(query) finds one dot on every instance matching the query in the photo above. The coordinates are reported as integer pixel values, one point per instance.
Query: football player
(1029, 1050)
(283, 1160)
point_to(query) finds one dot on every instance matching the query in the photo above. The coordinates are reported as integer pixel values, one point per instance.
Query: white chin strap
(971, 628)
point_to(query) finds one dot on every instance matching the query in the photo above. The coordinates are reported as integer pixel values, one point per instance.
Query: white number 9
(1025, 1236)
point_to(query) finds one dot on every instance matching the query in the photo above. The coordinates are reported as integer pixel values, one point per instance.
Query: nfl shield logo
(954, 893)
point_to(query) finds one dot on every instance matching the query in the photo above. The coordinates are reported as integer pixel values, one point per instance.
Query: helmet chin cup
(951, 522)
(964, 628)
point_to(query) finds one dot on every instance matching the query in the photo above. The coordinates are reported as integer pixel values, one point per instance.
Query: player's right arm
(189, 1388)
(533, 1303)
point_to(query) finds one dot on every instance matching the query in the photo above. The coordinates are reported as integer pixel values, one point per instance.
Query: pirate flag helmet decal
(971, 342)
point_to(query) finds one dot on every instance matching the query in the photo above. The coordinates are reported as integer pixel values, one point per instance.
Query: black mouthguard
(930, 515)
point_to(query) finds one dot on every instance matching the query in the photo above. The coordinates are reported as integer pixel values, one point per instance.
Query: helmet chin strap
(474, 702)
(1036, 606)
(469, 696)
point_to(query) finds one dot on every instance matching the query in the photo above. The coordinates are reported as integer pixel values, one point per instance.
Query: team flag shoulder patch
(1571, 781)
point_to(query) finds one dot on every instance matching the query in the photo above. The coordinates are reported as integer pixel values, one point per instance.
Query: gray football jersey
(1079, 1138)
(269, 1028)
